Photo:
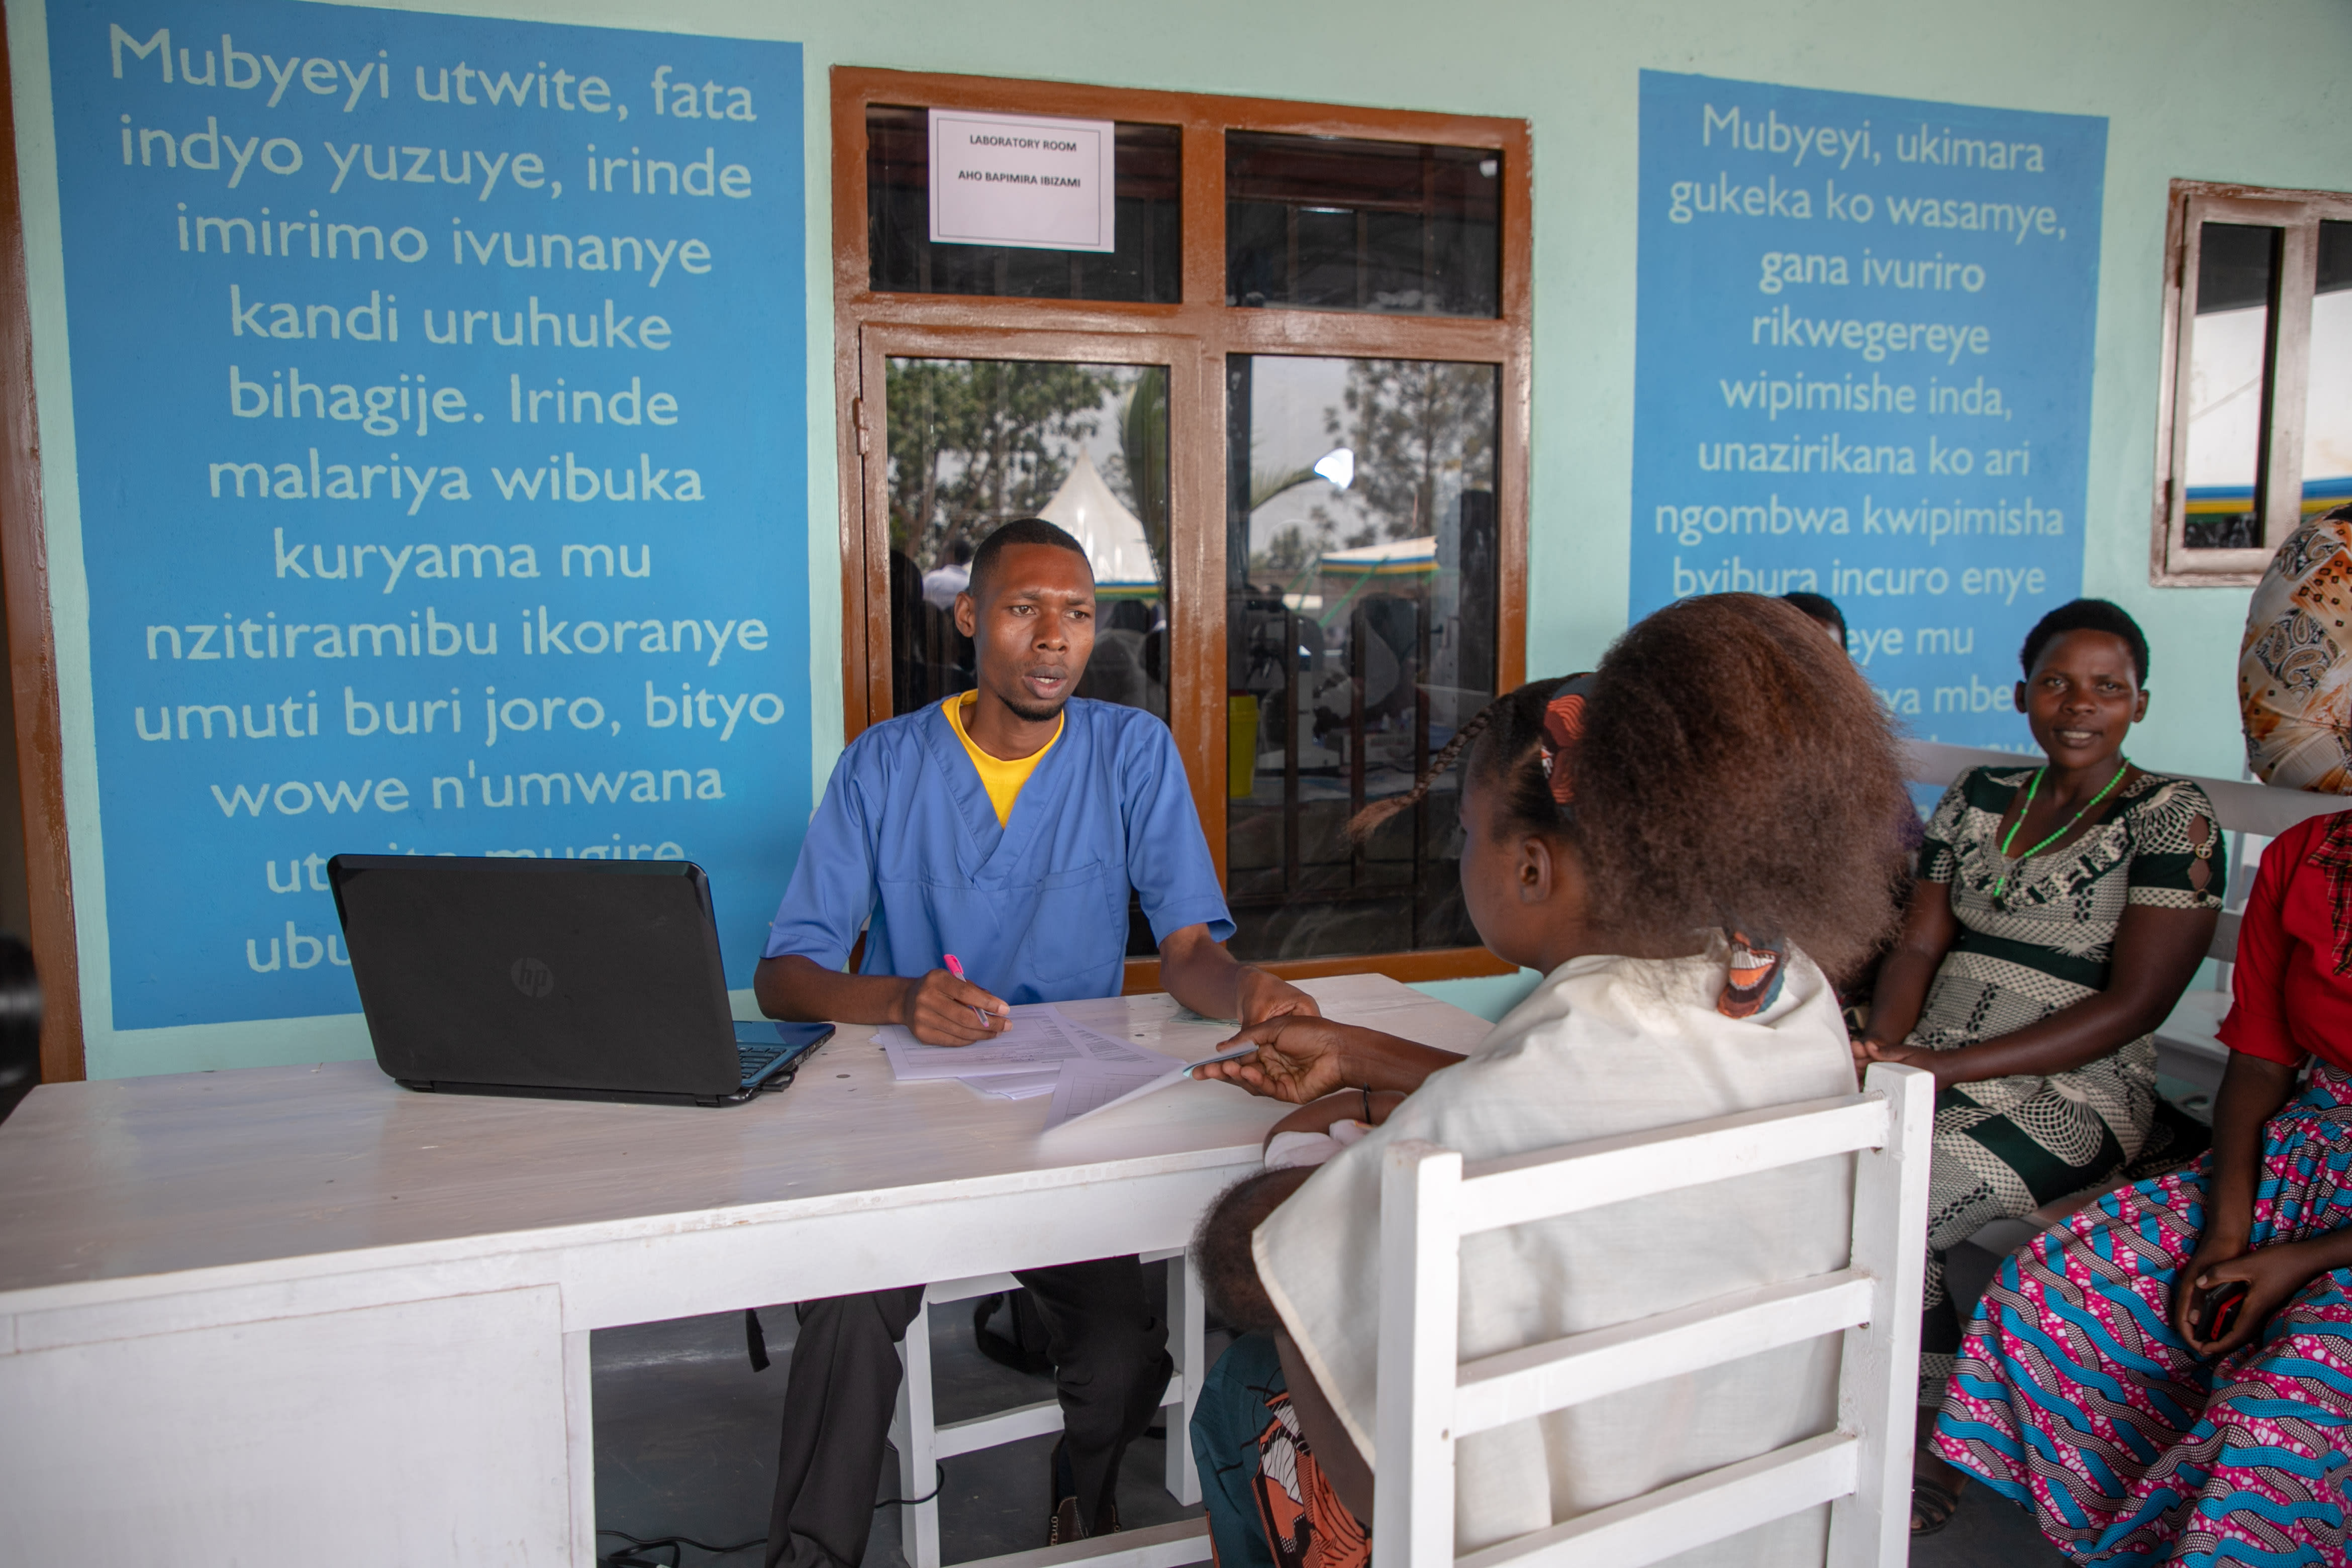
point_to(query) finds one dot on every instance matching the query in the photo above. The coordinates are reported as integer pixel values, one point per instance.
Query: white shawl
(1603, 1046)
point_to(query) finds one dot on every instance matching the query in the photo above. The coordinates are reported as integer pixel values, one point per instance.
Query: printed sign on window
(1037, 184)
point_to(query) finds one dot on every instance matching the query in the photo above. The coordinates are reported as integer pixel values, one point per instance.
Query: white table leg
(917, 1435)
(1185, 1314)
(580, 1440)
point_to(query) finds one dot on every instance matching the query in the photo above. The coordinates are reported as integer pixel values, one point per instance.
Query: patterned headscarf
(1757, 968)
(2293, 675)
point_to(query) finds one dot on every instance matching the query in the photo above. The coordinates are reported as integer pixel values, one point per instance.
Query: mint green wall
(2259, 93)
(2252, 93)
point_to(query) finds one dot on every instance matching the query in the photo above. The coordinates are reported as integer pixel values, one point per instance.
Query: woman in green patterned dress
(2059, 913)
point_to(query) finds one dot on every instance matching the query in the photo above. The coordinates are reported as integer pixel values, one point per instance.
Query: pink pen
(955, 967)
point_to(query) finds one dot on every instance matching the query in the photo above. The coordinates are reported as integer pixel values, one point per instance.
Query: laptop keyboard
(755, 1062)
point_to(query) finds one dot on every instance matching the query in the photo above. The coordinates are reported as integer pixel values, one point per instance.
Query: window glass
(2328, 417)
(2229, 361)
(1361, 624)
(1147, 161)
(976, 443)
(1326, 223)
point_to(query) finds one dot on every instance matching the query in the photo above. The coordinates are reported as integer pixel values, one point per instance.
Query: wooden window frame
(2193, 203)
(1198, 333)
(32, 642)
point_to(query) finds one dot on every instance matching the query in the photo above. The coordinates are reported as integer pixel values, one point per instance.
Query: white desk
(300, 1315)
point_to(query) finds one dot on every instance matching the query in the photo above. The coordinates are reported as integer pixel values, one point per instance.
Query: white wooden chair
(2187, 1049)
(923, 1442)
(1430, 1199)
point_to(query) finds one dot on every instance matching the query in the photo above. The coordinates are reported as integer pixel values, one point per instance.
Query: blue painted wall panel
(1863, 367)
(439, 394)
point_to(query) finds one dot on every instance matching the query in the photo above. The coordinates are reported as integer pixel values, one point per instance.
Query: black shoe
(1933, 1503)
(1064, 1523)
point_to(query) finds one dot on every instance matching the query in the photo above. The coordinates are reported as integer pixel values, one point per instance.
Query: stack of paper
(1012, 1085)
(1040, 1051)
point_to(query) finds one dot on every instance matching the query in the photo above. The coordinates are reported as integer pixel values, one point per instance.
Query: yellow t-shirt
(1001, 779)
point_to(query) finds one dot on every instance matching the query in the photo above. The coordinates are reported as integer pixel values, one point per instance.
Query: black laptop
(572, 979)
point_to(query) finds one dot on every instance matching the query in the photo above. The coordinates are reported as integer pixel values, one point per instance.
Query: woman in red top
(2089, 1390)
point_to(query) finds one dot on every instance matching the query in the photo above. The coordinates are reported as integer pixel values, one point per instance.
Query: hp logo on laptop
(532, 978)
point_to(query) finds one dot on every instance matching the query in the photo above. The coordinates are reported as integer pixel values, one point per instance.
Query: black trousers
(1110, 1347)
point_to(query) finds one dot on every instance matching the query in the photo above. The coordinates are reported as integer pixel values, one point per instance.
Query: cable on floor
(627, 1557)
(914, 1501)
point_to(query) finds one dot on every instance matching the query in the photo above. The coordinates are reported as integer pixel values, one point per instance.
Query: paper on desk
(1014, 1085)
(1088, 1085)
(1037, 1037)
(1083, 1088)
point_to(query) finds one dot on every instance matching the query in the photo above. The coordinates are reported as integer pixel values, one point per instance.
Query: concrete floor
(1986, 1534)
(686, 1445)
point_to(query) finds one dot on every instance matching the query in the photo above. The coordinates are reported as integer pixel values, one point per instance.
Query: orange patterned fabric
(1306, 1524)
(1753, 979)
(2295, 667)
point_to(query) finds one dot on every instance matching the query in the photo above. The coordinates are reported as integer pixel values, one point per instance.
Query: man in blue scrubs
(1008, 826)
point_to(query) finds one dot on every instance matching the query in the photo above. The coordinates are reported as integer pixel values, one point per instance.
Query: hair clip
(1564, 726)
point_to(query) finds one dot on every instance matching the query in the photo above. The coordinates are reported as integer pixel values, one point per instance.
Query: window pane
(2229, 357)
(1317, 223)
(2327, 416)
(976, 443)
(1362, 586)
(1145, 162)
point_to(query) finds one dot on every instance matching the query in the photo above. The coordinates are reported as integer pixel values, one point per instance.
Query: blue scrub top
(1036, 909)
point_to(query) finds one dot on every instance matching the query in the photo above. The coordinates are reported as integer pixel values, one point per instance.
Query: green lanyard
(2000, 884)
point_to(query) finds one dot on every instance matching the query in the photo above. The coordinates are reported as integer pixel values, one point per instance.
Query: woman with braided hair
(1681, 842)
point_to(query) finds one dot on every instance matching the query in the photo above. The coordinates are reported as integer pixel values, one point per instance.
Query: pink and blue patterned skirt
(2074, 1398)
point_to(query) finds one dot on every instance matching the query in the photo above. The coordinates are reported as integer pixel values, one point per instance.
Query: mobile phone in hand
(2217, 1311)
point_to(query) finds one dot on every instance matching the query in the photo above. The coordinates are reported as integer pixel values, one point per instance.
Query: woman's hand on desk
(1301, 1058)
(941, 1010)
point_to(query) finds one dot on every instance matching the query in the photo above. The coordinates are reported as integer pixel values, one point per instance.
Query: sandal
(1933, 1503)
